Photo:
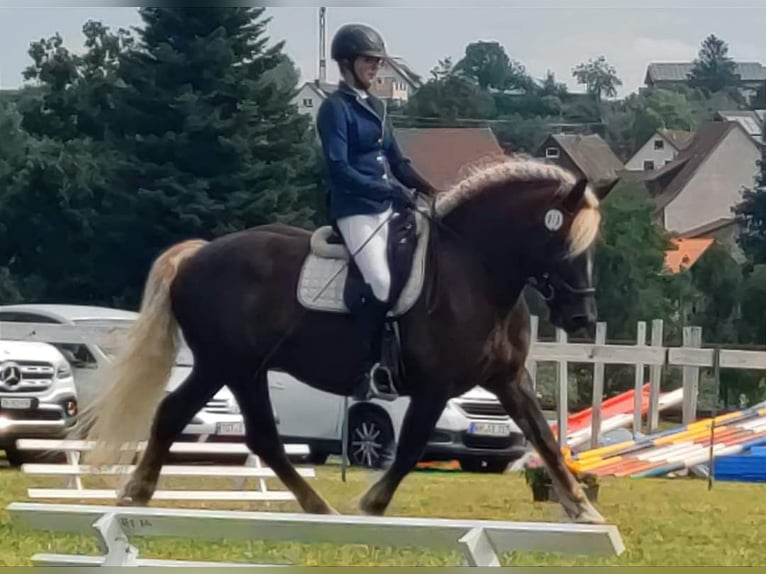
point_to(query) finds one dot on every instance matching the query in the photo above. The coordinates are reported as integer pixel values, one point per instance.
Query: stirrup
(378, 384)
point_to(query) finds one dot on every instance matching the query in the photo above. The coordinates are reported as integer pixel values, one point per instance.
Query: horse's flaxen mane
(493, 171)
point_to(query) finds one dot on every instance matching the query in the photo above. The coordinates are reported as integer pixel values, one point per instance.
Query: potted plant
(539, 481)
(589, 484)
(537, 478)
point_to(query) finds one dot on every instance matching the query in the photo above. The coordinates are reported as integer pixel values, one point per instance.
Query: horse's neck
(456, 259)
(502, 265)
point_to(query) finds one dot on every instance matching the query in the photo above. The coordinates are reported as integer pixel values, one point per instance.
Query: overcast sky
(542, 35)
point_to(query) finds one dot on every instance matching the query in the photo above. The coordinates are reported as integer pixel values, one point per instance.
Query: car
(37, 394)
(474, 428)
(87, 360)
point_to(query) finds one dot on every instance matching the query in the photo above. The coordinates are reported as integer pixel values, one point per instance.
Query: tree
(599, 77)
(72, 93)
(489, 66)
(713, 69)
(209, 139)
(451, 97)
(751, 214)
(718, 279)
(630, 270)
(661, 109)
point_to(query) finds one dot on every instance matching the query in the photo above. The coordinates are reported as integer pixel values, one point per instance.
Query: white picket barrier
(479, 541)
(74, 472)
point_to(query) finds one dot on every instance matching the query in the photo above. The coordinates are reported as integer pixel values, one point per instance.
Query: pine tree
(211, 141)
(713, 69)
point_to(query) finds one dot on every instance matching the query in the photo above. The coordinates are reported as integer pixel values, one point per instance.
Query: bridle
(543, 283)
(547, 286)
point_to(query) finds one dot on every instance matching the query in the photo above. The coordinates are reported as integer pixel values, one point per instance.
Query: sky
(543, 35)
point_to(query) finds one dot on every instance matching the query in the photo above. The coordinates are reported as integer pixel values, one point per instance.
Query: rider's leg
(372, 259)
(366, 236)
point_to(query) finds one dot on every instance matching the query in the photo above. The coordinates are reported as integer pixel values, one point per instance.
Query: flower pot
(540, 492)
(590, 491)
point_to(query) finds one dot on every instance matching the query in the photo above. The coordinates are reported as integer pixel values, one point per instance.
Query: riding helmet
(354, 40)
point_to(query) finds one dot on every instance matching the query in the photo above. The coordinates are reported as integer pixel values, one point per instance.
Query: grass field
(662, 522)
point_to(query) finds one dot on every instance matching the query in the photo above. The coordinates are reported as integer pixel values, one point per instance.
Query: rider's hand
(401, 198)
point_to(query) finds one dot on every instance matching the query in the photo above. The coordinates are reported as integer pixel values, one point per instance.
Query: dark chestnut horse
(234, 300)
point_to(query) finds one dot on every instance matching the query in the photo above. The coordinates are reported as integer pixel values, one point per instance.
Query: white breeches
(372, 260)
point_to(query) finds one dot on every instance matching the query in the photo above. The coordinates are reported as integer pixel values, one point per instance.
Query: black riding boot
(377, 377)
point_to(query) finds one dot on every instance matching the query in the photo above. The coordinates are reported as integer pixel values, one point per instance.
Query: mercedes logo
(10, 374)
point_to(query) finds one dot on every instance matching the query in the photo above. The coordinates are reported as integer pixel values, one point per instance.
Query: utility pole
(322, 44)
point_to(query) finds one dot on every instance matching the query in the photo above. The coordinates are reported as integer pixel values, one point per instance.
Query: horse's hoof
(590, 516)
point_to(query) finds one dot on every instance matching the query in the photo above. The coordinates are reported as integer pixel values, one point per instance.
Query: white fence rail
(479, 541)
(73, 472)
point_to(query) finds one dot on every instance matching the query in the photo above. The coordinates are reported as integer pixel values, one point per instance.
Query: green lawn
(663, 522)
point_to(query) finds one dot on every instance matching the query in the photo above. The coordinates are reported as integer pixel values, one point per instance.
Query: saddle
(329, 279)
(331, 282)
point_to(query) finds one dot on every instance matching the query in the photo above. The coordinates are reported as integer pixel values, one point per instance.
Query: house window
(308, 103)
(659, 144)
(552, 152)
(648, 165)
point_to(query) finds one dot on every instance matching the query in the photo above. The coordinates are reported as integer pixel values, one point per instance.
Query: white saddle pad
(324, 272)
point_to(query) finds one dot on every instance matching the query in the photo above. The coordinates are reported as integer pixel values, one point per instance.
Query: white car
(37, 394)
(473, 428)
(86, 360)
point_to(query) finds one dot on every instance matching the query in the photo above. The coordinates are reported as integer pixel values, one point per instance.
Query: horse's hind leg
(174, 413)
(518, 398)
(422, 414)
(263, 440)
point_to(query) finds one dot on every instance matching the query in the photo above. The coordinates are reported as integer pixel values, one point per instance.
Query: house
(311, 95)
(694, 194)
(686, 252)
(752, 121)
(660, 149)
(441, 155)
(395, 83)
(670, 75)
(587, 156)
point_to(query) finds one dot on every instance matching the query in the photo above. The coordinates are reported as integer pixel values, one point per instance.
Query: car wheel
(371, 439)
(493, 465)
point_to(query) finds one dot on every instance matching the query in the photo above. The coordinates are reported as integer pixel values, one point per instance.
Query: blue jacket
(361, 155)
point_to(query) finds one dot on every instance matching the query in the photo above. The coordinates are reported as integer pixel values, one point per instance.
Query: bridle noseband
(547, 287)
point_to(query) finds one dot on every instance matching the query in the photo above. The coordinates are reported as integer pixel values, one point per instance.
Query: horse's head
(561, 264)
(532, 222)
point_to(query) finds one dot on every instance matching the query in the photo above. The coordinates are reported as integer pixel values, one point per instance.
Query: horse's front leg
(519, 400)
(419, 421)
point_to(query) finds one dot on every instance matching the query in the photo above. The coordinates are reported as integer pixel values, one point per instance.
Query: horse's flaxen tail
(122, 413)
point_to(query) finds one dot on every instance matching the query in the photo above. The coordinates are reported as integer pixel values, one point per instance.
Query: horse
(233, 301)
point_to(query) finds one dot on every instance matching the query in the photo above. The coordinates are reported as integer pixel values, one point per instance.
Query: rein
(543, 283)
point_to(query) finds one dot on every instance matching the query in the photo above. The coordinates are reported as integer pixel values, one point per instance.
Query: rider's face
(366, 68)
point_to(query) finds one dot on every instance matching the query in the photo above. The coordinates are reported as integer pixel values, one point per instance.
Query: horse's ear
(574, 198)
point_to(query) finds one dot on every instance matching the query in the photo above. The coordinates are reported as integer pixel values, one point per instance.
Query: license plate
(489, 429)
(16, 403)
(235, 428)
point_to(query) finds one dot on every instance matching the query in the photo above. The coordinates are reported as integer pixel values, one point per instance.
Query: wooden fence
(690, 356)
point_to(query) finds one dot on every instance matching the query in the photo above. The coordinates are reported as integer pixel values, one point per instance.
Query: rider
(361, 155)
